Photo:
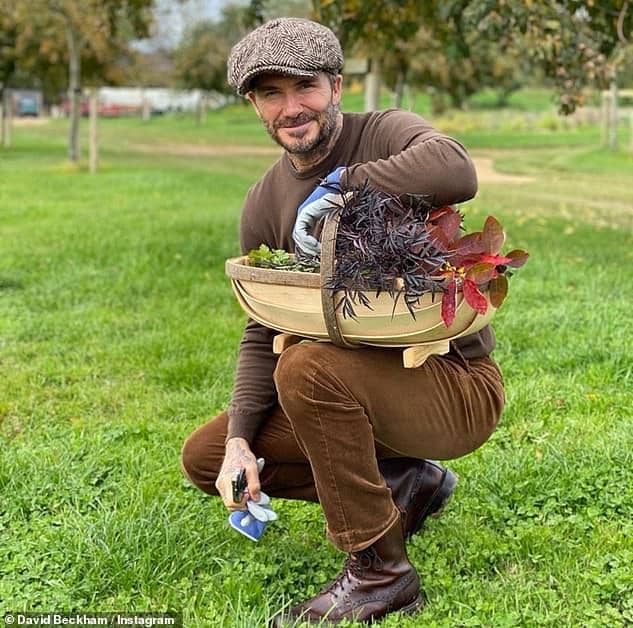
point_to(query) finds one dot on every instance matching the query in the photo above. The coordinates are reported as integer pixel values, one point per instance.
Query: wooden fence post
(606, 96)
(146, 112)
(93, 147)
(613, 116)
(7, 108)
(372, 85)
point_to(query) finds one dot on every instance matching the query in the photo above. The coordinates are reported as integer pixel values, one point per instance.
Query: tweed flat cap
(287, 45)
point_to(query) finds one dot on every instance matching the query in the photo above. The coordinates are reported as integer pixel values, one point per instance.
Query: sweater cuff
(242, 426)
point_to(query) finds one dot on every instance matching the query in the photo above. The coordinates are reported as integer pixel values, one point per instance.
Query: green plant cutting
(279, 259)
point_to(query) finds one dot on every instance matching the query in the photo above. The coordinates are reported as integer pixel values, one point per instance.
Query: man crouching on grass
(348, 429)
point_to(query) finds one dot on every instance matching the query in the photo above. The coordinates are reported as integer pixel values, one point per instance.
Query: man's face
(299, 113)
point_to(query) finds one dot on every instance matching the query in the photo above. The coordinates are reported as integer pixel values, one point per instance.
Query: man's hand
(322, 199)
(307, 219)
(237, 456)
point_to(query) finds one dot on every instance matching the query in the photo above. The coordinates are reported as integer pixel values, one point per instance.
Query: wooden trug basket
(299, 306)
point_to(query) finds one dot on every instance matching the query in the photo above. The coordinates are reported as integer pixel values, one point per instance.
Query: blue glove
(246, 524)
(322, 199)
(330, 184)
(252, 522)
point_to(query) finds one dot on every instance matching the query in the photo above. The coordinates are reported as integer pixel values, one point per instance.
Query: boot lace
(356, 564)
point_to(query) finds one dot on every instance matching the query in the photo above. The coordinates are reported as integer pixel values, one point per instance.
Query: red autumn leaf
(481, 272)
(493, 235)
(449, 223)
(439, 239)
(517, 258)
(448, 303)
(441, 211)
(464, 261)
(496, 260)
(470, 243)
(473, 297)
(498, 290)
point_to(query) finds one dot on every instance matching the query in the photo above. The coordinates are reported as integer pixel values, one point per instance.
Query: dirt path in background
(197, 150)
(599, 212)
(484, 165)
(487, 174)
(29, 121)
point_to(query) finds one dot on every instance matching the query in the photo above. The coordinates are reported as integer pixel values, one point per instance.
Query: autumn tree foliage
(200, 58)
(578, 44)
(449, 56)
(379, 31)
(86, 37)
(459, 46)
(8, 38)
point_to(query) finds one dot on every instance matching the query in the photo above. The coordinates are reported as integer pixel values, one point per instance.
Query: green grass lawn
(119, 333)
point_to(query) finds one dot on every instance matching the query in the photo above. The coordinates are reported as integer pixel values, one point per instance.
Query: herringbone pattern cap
(286, 45)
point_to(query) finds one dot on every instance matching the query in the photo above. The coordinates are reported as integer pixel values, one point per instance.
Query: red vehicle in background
(104, 110)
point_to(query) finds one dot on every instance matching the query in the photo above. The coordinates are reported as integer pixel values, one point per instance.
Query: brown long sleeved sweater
(398, 152)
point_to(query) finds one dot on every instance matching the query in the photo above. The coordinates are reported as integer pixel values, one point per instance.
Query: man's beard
(327, 124)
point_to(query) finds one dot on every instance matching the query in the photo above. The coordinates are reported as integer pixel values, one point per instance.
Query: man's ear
(337, 89)
(251, 96)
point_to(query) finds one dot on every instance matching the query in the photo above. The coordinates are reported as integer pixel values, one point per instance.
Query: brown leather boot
(374, 582)
(419, 488)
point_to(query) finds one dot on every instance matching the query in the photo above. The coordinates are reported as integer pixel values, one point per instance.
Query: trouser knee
(294, 376)
(307, 375)
(201, 471)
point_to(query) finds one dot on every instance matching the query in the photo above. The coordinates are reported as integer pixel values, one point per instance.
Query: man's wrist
(237, 441)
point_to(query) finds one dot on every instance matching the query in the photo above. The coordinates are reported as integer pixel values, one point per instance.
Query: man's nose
(292, 105)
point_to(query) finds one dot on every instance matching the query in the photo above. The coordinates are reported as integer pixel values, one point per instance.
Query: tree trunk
(94, 145)
(613, 115)
(2, 108)
(502, 98)
(604, 113)
(372, 86)
(200, 109)
(398, 92)
(457, 97)
(411, 96)
(74, 89)
(438, 102)
(5, 118)
(146, 112)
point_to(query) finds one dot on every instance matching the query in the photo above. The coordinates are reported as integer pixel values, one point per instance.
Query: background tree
(8, 62)
(421, 43)
(152, 68)
(260, 11)
(577, 44)
(378, 31)
(452, 60)
(90, 36)
(200, 58)
(8, 40)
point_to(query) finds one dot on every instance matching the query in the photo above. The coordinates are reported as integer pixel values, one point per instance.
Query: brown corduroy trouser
(340, 411)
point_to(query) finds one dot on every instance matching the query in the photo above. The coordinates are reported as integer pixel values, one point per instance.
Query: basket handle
(328, 297)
